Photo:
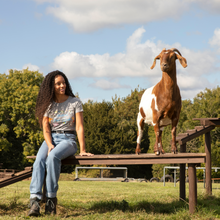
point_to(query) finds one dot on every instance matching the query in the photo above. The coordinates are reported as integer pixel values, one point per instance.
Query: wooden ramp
(16, 177)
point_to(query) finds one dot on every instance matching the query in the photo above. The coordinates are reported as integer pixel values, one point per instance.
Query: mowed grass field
(112, 200)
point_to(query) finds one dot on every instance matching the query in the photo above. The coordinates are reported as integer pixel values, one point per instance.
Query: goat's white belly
(145, 104)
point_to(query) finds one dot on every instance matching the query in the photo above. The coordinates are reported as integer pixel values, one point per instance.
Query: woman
(60, 114)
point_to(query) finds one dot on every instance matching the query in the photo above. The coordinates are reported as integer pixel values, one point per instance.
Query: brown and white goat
(161, 104)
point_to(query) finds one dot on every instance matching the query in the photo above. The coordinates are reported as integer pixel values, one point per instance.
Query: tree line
(110, 127)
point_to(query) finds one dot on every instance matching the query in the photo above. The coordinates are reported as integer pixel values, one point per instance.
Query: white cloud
(215, 40)
(108, 85)
(31, 67)
(87, 15)
(189, 82)
(136, 62)
(213, 6)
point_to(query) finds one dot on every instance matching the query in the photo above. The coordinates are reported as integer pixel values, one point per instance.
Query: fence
(101, 172)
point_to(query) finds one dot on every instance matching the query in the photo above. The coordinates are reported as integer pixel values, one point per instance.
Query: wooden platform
(133, 159)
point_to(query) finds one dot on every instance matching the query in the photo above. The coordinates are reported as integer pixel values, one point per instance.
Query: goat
(160, 105)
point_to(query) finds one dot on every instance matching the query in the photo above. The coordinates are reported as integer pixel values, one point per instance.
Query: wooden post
(182, 175)
(208, 164)
(192, 188)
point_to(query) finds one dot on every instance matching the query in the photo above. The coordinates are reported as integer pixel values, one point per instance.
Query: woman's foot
(50, 207)
(34, 207)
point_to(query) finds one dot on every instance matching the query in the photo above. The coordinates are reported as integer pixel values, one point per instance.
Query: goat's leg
(160, 146)
(173, 142)
(157, 134)
(140, 124)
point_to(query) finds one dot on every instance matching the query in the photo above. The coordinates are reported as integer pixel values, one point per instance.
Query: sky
(106, 47)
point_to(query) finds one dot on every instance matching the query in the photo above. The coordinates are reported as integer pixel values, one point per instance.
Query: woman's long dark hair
(46, 94)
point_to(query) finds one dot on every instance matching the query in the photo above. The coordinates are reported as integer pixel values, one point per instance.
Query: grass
(112, 200)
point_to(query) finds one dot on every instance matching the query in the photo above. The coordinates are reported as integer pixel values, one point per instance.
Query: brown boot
(50, 207)
(34, 207)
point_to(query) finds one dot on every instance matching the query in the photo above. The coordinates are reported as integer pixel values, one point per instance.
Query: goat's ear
(182, 60)
(154, 63)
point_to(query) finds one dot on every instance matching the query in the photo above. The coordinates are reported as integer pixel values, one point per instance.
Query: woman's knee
(39, 162)
(52, 157)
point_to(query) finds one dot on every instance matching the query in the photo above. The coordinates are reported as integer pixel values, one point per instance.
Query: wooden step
(198, 128)
(192, 131)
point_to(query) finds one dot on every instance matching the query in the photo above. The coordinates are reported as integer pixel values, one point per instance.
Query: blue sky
(106, 47)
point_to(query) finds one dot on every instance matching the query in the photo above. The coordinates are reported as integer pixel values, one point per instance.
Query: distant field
(112, 200)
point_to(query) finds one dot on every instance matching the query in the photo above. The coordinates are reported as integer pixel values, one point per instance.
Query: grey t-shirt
(62, 115)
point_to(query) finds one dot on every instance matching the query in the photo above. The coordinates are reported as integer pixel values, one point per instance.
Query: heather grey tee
(62, 115)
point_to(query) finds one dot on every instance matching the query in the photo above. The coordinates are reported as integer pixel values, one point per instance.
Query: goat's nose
(164, 64)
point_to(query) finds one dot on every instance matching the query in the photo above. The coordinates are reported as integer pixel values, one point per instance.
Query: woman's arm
(47, 133)
(80, 134)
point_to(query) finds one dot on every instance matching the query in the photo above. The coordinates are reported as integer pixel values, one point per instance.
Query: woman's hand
(86, 154)
(50, 148)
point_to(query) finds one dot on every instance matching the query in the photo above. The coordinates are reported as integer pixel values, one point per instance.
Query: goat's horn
(175, 50)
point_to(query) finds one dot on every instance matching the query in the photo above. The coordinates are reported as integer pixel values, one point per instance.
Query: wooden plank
(196, 134)
(15, 179)
(133, 156)
(209, 121)
(133, 159)
(181, 158)
(133, 162)
(191, 131)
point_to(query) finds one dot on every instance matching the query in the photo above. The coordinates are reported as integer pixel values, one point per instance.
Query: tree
(99, 125)
(19, 130)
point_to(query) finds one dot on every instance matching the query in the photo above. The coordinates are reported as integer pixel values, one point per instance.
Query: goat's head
(167, 59)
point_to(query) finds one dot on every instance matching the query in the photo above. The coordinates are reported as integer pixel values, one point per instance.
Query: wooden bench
(132, 159)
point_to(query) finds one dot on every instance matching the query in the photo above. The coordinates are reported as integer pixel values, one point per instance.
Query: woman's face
(59, 85)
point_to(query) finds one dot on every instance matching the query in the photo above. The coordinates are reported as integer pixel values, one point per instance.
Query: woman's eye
(58, 84)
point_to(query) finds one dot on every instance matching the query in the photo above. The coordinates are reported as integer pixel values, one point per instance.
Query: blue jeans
(65, 146)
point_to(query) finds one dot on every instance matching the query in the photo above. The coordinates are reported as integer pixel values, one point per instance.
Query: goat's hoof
(174, 152)
(157, 153)
(162, 151)
(137, 152)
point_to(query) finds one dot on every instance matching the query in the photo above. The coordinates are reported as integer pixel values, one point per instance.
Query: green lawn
(113, 200)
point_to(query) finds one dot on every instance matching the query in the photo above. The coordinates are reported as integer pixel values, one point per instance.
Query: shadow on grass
(149, 207)
(203, 204)
(13, 207)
